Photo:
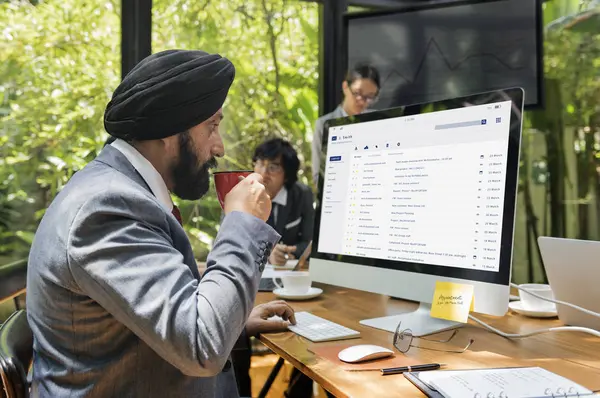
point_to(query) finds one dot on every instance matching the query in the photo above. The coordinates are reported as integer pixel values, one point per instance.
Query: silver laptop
(573, 269)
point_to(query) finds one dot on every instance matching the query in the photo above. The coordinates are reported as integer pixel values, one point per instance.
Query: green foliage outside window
(60, 62)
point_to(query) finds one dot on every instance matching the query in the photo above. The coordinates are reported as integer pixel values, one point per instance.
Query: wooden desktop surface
(573, 355)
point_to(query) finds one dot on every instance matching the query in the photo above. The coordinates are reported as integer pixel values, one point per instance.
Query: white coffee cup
(531, 303)
(296, 282)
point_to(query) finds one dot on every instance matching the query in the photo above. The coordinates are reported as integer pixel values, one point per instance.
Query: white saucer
(312, 293)
(517, 307)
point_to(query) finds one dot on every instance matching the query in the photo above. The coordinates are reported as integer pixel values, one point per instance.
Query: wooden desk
(573, 355)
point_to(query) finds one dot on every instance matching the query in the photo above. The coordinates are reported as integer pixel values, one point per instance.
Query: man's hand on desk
(281, 253)
(259, 322)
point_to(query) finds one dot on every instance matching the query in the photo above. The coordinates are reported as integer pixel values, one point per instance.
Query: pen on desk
(415, 368)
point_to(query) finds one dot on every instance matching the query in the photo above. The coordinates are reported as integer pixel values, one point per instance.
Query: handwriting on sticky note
(452, 301)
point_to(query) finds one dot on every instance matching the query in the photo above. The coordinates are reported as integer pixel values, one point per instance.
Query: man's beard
(191, 179)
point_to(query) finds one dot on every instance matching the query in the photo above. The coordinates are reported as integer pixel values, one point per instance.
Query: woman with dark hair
(292, 216)
(292, 213)
(361, 88)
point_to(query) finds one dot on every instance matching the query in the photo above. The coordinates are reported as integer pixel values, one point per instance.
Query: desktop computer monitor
(414, 195)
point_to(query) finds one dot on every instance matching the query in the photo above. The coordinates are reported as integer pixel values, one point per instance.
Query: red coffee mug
(226, 180)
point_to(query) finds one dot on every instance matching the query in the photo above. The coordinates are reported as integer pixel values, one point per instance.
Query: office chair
(16, 355)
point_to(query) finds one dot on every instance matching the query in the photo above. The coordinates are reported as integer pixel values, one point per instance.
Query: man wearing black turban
(169, 93)
(114, 297)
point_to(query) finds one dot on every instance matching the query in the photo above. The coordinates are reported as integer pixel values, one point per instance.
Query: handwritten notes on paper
(452, 301)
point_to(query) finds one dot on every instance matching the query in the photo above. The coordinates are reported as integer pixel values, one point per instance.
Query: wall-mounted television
(439, 51)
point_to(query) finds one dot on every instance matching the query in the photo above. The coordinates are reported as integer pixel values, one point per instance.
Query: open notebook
(530, 382)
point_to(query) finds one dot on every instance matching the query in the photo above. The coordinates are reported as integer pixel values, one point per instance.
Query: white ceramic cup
(296, 282)
(531, 303)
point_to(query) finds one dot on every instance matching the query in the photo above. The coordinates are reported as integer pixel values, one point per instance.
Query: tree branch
(272, 43)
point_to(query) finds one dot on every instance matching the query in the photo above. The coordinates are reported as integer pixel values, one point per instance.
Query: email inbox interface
(424, 189)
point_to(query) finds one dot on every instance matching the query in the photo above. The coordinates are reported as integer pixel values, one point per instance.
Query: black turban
(167, 93)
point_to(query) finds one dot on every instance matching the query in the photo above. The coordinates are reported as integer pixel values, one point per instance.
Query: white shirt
(280, 199)
(147, 171)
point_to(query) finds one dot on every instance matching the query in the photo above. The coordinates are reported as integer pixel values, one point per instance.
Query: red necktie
(177, 214)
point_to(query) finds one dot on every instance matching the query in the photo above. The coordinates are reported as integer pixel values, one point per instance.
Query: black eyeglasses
(403, 341)
(369, 99)
(271, 168)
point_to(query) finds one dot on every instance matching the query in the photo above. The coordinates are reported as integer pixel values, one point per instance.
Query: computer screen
(425, 188)
(413, 195)
(433, 52)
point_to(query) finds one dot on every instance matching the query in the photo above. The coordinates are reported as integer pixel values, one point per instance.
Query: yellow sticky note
(452, 301)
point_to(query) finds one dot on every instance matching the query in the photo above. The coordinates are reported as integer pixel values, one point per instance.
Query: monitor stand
(418, 321)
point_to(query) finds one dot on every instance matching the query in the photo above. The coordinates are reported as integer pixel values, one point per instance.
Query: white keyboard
(317, 329)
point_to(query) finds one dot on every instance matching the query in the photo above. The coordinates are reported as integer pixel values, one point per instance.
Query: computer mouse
(363, 352)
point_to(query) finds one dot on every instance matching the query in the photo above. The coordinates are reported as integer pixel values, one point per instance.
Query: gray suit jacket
(317, 143)
(115, 300)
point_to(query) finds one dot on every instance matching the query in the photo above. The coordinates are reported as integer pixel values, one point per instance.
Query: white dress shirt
(280, 199)
(147, 171)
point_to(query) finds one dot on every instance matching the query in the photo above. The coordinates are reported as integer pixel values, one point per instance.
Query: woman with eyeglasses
(292, 214)
(361, 88)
